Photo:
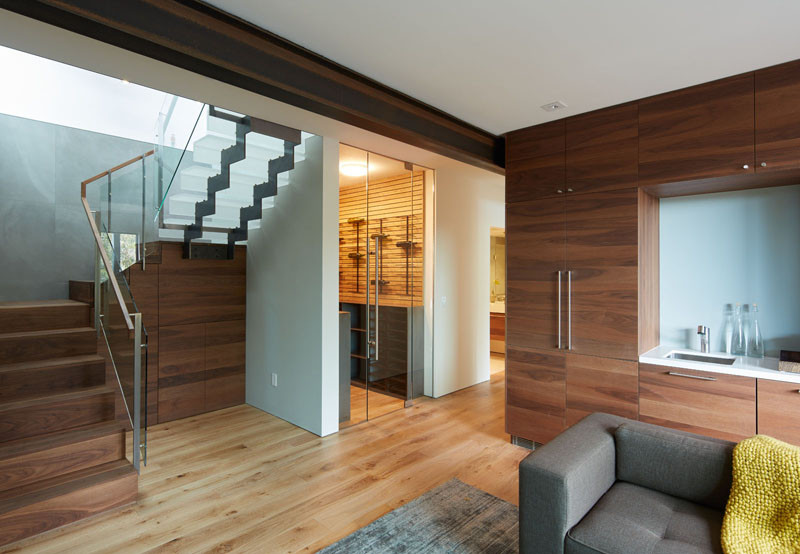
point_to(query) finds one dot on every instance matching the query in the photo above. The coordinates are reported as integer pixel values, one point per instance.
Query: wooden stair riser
(16, 348)
(15, 319)
(27, 381)
(29, 467)
(82, 501)
(55, 415)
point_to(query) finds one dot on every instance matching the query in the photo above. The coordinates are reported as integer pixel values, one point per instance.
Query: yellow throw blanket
(763, 512)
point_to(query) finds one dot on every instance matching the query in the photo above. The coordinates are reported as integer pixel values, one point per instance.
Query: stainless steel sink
(700, 358)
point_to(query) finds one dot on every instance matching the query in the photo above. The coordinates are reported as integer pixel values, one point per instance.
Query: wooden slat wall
(393, 202)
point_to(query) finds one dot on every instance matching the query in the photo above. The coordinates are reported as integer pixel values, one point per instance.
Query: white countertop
(497, 307)
(759, 368)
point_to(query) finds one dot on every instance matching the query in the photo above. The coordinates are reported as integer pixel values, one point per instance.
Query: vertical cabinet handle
(569, 310)
(559, 309)
(368, 316)
(378, 278)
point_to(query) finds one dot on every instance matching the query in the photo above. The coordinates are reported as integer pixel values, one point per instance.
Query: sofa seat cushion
(636, 520)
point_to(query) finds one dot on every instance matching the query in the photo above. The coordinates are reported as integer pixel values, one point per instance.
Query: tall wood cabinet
(572, 270)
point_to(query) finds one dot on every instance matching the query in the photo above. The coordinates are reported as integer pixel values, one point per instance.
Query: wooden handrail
(116, 168)
(99, 241)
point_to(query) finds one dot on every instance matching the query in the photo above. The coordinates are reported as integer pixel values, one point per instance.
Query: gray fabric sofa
(612, 485)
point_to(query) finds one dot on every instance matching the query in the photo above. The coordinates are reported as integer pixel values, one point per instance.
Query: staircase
(62, 451)
(227, 179)
(62, 448)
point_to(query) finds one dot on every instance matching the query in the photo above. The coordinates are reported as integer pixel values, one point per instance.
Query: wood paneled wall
(194, 313)
(397, 209)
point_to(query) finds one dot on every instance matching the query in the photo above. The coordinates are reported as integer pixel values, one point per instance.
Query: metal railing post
(143, 246)
(137, 388)
(98, 272)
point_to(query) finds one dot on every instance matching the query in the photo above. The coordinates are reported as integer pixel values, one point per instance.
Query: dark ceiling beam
(202, 39)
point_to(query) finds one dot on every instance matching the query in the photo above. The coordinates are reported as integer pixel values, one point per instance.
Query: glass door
(382, 221)
(390, 204)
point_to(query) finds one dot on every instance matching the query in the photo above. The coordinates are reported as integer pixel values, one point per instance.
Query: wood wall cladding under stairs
(62, 452)
(194, 313)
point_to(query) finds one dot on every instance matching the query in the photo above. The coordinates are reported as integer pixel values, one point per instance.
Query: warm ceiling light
(353, 169)
(126, 82)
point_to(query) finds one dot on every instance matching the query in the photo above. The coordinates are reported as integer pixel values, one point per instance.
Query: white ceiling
(493, 63)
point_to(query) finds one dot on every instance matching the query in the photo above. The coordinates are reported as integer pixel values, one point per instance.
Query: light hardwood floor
(240, 480)
(379, 405)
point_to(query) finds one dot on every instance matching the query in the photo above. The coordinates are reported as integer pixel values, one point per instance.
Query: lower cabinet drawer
(779, 410)
(713, 404)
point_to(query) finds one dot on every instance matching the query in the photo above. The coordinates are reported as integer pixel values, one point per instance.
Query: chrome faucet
(705, 338)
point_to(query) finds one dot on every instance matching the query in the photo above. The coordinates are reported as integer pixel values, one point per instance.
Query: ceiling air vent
(554, 106)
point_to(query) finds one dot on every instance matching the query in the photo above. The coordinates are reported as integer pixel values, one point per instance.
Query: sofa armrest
(561, 481)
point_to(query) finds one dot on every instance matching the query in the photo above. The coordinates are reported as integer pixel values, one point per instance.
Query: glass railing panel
(126, 347)
(180, 123)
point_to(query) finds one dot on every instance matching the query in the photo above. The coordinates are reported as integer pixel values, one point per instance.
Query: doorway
(382, 242)
(497, 300)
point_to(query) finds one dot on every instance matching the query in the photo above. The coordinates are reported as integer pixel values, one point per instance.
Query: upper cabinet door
(778, 117)
(697, 133)
(602, 283)
(535, 162)
(535, 251)
(602, 149)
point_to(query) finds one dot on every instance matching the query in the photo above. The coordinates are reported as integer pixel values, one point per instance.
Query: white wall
(292, 296)
(467, 206)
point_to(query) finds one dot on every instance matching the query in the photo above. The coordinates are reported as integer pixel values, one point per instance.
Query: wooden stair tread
(51, 398)
(19, 447)
(44, 333)
(20, 304)
(51, 362)
(14, 499)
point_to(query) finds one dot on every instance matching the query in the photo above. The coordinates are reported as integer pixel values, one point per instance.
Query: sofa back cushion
(680, 464)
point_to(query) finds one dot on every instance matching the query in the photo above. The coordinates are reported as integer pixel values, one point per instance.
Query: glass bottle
(755, 347)
(727, 328)
(739, 343)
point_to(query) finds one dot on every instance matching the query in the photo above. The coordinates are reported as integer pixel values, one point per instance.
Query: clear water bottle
(755, 345)
(739, 341)
(727, 328)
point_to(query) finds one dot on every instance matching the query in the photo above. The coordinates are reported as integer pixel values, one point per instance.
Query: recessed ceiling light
(353, 169)
(126, 82)
(554, 106)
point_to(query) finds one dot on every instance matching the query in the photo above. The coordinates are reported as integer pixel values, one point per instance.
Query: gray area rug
(453, 517)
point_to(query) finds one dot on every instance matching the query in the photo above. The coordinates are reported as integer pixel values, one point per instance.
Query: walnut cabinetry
(777, 106)
(535, 162)
(582, 202)
(698, 132)
(713, 404)
(778, 404)
(548, 390)
(602, 149)
(601, 385)
(572, 273)
(536, 393)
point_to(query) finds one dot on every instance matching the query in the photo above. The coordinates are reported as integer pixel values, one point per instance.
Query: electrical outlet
(274, 379)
